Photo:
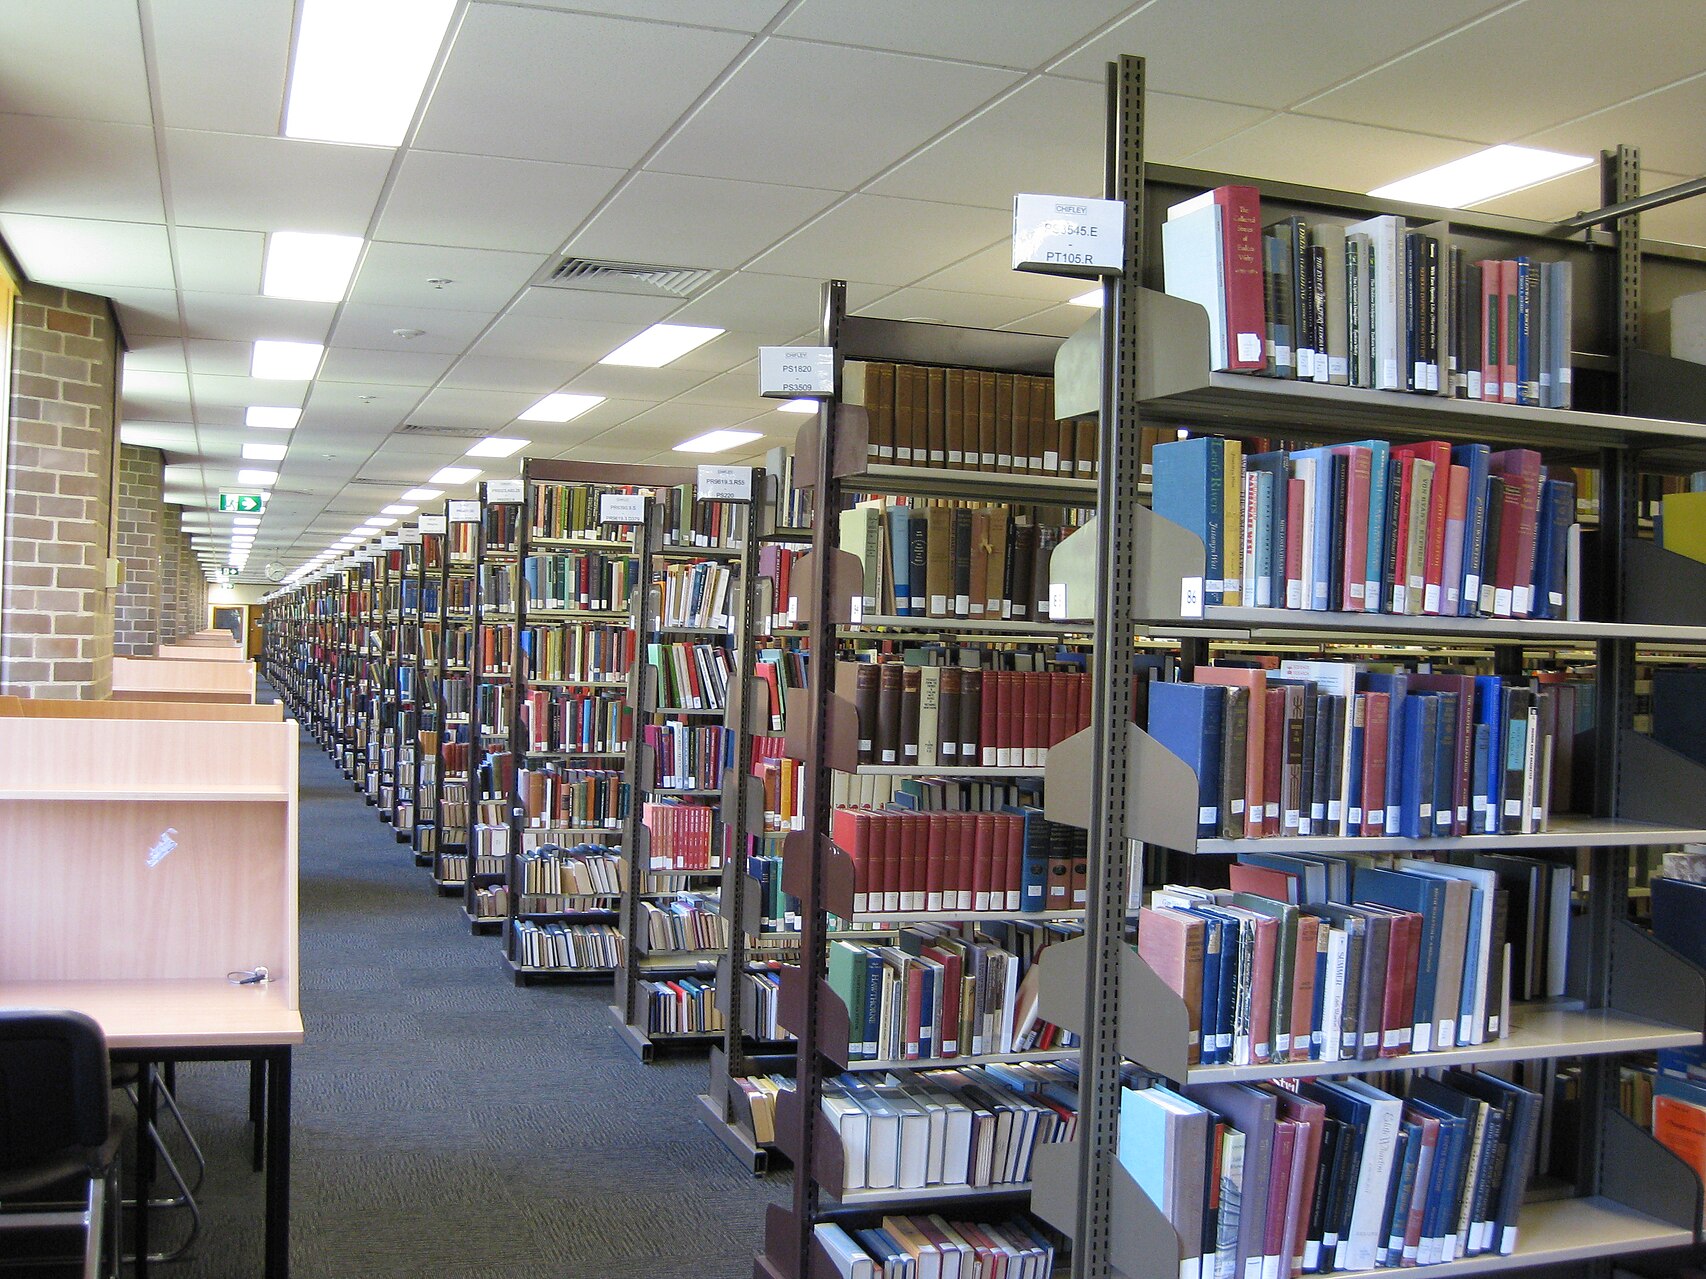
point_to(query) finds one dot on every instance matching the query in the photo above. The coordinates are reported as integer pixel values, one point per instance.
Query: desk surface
(169, 1014)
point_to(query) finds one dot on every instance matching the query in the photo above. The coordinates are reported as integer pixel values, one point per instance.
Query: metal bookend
(1650, 980)
(852, 445)
(835, 1025)
(743, 787)
(1658, 784)
(1638, 1172)
(1172, 346)
(1144, 1244)
(1660, 587)
(1154, 1024)
(1072, 576)
(1163, 787)
(846, 584)
(1171, 568)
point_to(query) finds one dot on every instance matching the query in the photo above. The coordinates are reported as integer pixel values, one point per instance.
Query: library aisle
(450, 1124)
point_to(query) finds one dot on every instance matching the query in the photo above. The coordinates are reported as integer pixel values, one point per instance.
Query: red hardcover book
(849, 830)
(1279, 885)
(1439, 453)
(1262, 990)
(964, 860)
(1520, 468)
(1059, 880)
(948, 1005)
(885, 836)
(912, 837)
(1376, 712)
(1311, 1117)
(983, 865)
(913, 972)
(1396, 1017)
(1508, 273)
(935, 860)
(1357, 480)
(1082, 720)
(990, 719)
(1303, 986)
(1419, 1199)
(1492, 350)
(971, 715)
(1009, 719)
(1399, 533)
(1012, 860)
(1241, 264)
(1062, 708)
(1078, 878)
(1279, 1192)
(1509, 550)
(1036, 685)
(1294, 543)
(1256, 680)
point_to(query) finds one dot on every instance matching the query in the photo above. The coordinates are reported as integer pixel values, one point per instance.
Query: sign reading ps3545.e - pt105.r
(1068, 235)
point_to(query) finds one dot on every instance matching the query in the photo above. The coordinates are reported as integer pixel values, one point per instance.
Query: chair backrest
(55, 1084)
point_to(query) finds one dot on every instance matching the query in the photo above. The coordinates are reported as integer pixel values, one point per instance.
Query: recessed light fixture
(497, 446)
(264, 452)
(308, 266)
(451, 475)
(797, 406)
(245, 521)
(422, 495)
(717, 441)
(380, 521)
(271, 417)
(658, 345)
(257, 477)
(560, 406)
(360, 67)
(286, 361)
(398, 508)
(1480, 177)
(1092, 298)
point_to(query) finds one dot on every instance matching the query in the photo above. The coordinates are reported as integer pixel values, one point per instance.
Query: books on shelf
(791, 507)
(591, 580)
(696, 596)
(680, 1006)
(778, 601)
(690, 922)
(777, 671)
(971, 419)
(570, 511)
(576, 722)
(572, 797)
(680, 835)
(756, 1095)
(555, 944)
(1425, 529)
(499, 522)
(914, 1247)
(691, 676)
(583, 870)
(686, 757)
(1373, 303)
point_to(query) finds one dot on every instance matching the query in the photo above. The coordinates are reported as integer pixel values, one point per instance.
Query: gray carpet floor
(449, 1124)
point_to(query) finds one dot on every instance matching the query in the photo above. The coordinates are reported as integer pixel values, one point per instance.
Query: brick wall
(183, 587)
(56, 631)
(137, 612)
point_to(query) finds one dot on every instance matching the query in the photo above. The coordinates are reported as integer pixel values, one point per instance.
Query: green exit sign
(242, 503)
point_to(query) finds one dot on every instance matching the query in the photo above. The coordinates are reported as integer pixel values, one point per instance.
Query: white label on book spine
(621, 508)
(1294, 594)
(785, 372)
(503, 491)
(1249, 346)
(464, 511)
(1190, 596)
(1338, 366)
(1305, 364)
(725, 483)
(1389, 371)
(1238, 808)
(1422, 1039)
(1502, 601)
(857, 609)
(1520, 603)
(1207, 815)
(1430, 599)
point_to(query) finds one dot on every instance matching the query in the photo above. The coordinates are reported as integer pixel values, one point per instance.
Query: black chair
(57, 1129)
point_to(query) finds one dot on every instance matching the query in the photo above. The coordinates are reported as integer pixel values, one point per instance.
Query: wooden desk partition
(193, 652)
(148, 858)
(153, 679)
(46, 708)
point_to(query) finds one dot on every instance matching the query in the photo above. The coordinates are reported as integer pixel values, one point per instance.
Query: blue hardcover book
(871, 1023)
(1354, 753)
(1415, 804)
(1445, 765)
(1474, 458)
(1186, 719)
(1319, 517)
(900, 558)
(1261, 571)
(1316, 1013)
(1556, 583)
(1226, 985)
(1527, 332)
(1213, 1052)
(1421, 896)
(1398, 1196)
(1540, 574)
(1375, 588)
(1396, 686)
(1444, 1175)
(1275, 467)
(927, 1007)
(1033, 857)
(1490, 711)
(1189, 480)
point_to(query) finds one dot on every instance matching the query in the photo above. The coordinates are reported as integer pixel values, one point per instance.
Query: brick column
(173, 548)
(137, 613)
(56, 630)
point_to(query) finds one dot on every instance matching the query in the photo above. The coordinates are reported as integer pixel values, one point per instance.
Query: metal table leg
(278, 1163)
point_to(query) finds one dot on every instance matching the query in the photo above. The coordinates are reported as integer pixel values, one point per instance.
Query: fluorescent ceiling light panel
(286, 361)
(245, 521)
(455, 475)
(308, 266)
(1092, 298)
(422, 495)
(1480, 177)
(360, 68)
(381, 521)
(398, 508)
(560, 406)
(660, 344)
(264, 452)
(497, 446)
(272, 417)
(798, 406)
(717, 441)
(257, 477)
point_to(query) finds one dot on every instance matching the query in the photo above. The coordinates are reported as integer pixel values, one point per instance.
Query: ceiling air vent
(442, 432)
(626, 277)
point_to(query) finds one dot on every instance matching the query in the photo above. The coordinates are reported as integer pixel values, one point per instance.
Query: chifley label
(1066, 235)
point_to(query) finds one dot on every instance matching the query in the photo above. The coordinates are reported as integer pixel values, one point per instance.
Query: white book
(849, 1259)
(1380, 1145)
(854, 1126)
(1333, 999)
(1194, 269)
(1386, 234)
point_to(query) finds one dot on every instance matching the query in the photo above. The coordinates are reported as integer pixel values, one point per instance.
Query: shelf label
(788, 371)
(622, 508)
(464, 511)
(856, 609)
(1190, 597)
(410, 537)
(504, 491)
(390, 542)
(434, 524)
(725, 483)
(1068, 235)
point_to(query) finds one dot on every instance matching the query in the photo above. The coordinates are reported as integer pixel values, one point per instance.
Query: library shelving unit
(451, 778)
(571, 723)
(389, 663)
(429, 675)
(682, 828)
(838, 458)
(402, 764)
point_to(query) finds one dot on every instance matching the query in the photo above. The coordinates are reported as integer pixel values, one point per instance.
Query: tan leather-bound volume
(1084, 448)
(889, 688)
(939, 561)
(1004, 421)
(979, 578)
(985, 420)
(1022, 422)
(865, 678)
(954, 416)
(1042, 425)
(1065, 435)
(879, 410)
(995, 579)
(911, 707)
(936, 416)
(903, 411)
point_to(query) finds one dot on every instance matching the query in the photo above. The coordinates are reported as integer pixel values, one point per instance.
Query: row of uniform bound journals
(1424, 529)
(1374, 303)
(1313, 957)
(1338, 748)
(935, 1247)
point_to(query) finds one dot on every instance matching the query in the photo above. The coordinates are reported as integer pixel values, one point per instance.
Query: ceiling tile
(215, 261)
(610, 306)
(375, 327)
(1578, 56)
(1266, 55)
(227, 390)
(273, 184)
(1008, 33)
(479, 279)
(222, 66)
(669, 424)
(527, 335)
(621, 382)
(736, 389)
(991, 271)
(488, 410)
(88, 253)
(740, 15)
(1056, 321)
(1665, 125)
(155, 390)
(539, 85)
(233, 317)
(226, 359)
(144, 313)
(697, 221)
(885, 241)
(1327, 153)
(395, 368)
(440, 198)
(367, 406)
(788, 114)
(976, 310)
(79, 168)
(496, 373)
(76, 58)
(145, 354)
